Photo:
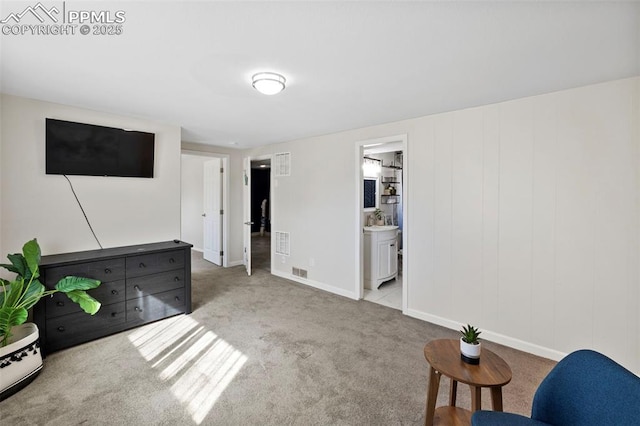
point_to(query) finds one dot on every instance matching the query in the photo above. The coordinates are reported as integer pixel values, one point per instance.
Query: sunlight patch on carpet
(197, 363)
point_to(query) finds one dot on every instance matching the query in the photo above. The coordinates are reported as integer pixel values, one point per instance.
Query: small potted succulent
(470, 345)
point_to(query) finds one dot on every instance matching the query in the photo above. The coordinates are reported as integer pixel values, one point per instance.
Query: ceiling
(348, 64)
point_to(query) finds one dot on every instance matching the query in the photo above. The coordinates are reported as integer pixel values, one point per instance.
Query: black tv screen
(90, 150)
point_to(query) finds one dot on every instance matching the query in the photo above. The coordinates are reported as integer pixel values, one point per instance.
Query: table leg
(476, 398)
(432, 395)
(496, 398)
(453, 393)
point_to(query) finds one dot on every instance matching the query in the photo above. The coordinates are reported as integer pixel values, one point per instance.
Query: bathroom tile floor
(388, 294)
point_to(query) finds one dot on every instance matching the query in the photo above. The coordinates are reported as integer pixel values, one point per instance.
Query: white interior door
(212, 211)
(246, 207)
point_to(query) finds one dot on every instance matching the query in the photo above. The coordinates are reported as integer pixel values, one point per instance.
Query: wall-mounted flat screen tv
(90, 150)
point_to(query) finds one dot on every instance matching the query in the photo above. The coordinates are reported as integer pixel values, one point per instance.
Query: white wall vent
(282, 164)
(282, 243)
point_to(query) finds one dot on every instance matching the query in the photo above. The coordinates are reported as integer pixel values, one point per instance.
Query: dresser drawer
(159, 305)
(155, 262)
(71, 329)
(103, 270)
(156, 283)
(106, 294)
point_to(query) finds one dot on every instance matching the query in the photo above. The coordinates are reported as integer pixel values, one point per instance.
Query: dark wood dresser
(140, 284)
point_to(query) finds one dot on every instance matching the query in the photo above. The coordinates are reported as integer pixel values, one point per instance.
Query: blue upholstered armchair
(585, 388)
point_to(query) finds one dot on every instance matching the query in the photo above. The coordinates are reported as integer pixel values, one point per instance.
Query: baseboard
(491, 336)
(317, 284)
(228, 265)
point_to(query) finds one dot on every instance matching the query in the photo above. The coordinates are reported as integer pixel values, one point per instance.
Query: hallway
(261, 252)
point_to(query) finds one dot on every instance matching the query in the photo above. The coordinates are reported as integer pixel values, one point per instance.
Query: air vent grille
(282, 243)
(282, 161)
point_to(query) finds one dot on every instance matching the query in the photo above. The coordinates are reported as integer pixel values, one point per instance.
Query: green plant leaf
(33, 293)
(31, 252)
(86, 302)
(68, 284)
(13, 292)
(10, 316)
(10, 268)
(19, 264)
(4, 287)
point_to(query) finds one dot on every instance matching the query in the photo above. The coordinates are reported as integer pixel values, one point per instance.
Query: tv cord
(85, 215)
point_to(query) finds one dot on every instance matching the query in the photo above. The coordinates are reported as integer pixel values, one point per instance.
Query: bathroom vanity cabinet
(380, 255)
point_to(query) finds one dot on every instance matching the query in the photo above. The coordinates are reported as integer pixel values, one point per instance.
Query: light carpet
(257, 350)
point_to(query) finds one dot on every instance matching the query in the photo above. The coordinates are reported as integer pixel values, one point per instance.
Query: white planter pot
(20, 360)
(470, 353)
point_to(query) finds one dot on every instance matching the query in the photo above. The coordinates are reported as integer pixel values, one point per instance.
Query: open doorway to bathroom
(382, 205)
(261, 214)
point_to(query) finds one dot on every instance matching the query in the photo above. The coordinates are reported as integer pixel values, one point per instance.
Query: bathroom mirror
(370, 194)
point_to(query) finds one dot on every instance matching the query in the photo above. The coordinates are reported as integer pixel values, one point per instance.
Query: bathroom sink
(380, 228)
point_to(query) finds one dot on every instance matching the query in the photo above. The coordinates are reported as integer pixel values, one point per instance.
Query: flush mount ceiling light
(268, 83)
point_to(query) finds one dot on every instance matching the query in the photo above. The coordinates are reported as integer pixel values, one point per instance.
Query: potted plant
(379, 215)
(20, 359)
(470, 345)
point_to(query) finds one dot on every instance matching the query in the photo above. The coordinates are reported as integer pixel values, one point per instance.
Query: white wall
(123, 211)
(532, 221)
(316, 206)
(523, 218)
(636, 107)
(191, 198)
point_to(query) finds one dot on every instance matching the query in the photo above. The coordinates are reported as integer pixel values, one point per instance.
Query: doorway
(261, 214)
(256, 214)
(213, 212)
(382, 222)
(195, 199)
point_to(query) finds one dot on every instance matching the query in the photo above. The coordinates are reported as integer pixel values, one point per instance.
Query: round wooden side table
(443, 357)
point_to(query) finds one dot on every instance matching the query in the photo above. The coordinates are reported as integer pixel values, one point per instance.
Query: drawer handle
(176, 279)
(61, 329)
(172, 260)
(114, 314)
(142, 265)
(177, 299)
(59, 303)
(137, 309)
(137, 288)
(107, 271)
(114, 291)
